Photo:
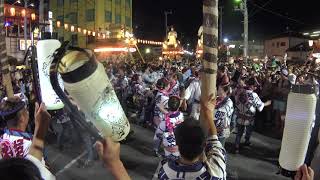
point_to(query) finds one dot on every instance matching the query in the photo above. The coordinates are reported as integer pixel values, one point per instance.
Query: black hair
(10, 110)
(174, 103)
(251, 82)
(144, 67)
(162, 83)
(18, 168)
(190, 139)
(226, 89)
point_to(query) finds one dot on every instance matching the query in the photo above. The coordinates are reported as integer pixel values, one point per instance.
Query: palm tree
(210, 48)
(6, 78)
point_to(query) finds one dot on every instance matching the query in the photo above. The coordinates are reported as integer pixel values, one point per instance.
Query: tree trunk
(4, 64)
(210, 50)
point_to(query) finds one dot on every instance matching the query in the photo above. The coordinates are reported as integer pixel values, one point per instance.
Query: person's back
(247, 101)
(15, 143)
(191, 142)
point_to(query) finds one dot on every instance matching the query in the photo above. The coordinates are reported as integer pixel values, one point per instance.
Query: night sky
(148, 18)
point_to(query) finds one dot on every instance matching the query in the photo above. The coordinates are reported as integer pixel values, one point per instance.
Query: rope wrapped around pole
(210, 49)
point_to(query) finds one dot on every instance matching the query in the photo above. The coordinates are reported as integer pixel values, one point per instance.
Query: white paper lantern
(86, 81)
(45, 49)
(300, 116)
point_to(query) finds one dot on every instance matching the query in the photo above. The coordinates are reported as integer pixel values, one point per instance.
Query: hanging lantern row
(84, 31)
(23, 13)
(141, 41)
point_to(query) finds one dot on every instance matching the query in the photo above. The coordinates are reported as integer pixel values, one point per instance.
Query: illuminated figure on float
(300, 116)
(172, 38)
(85, 80)
(171, 46)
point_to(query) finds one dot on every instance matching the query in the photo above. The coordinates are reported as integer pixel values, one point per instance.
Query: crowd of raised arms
(166, 98)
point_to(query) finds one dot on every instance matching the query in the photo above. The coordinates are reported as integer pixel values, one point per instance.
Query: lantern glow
(23, 12)
(12, 11)
(58, 24)
(33, 16)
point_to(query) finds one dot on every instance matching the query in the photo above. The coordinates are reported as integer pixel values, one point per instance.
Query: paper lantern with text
(87, 83)
(45, 49)
(300, 116)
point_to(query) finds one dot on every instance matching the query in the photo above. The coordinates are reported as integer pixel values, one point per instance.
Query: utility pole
(210, 50)
(6, 78)
(241, 5)
(166, 20)
(246, 29)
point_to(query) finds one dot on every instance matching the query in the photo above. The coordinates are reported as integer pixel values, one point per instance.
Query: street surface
(258, 162)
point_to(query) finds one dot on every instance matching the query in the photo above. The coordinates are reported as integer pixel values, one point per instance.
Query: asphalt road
(258, 162)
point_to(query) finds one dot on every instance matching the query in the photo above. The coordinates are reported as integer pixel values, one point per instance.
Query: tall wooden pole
(4, 64)
(210, 49)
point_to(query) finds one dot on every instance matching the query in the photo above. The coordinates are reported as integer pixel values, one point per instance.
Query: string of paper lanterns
(101, 35)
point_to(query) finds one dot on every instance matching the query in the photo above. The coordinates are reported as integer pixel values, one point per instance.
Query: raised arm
(109, 153)
(42, 121)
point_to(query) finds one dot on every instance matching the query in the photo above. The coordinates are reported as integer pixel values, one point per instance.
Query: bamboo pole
(4, 64)
(210, 50)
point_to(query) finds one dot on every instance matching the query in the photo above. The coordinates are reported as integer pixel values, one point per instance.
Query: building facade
(255, 50)
(84, 22)
(14, 14)
(279, 46)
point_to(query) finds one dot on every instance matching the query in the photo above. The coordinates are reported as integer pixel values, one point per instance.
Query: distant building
(85, 22)
(14, 28)
(300, 52)
(278, 46)
(255, 50)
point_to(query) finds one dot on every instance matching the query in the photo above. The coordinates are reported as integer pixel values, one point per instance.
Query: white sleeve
(45, 173)
(257, 102)
(164, 101)
(189, 91)
(216, 157)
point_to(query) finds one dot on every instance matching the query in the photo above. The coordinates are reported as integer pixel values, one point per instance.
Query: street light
(148, 51)
(225, 40)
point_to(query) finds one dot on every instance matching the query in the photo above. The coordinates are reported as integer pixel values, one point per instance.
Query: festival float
(116, 49)
(199, 51)
(171, 47)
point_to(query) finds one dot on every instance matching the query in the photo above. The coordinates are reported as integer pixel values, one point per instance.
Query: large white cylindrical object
(45, 49)
(300, 116)
(86, 81)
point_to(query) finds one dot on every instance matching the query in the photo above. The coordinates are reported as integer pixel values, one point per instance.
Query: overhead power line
(277, 14)
(258, 10)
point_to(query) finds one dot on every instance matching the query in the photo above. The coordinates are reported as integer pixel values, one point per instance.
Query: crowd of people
(166, 97)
